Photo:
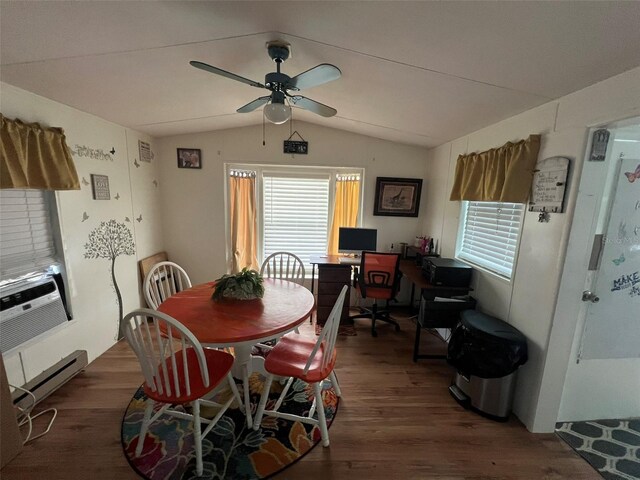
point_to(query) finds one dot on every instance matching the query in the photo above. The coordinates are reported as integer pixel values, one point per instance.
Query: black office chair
(378, 278)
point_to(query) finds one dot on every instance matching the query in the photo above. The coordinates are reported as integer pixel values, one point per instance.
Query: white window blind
(295, 215)
(490, 235)
(26, 236)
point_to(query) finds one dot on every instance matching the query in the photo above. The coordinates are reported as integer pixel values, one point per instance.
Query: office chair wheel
(374, 333)
(397, 328)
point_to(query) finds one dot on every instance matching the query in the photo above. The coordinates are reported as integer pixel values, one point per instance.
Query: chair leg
(234, 389)
(145, 426)
(322, 421)
(197, 435)
(263, 402)
(245, 391)
(374, 312)
(334, 382)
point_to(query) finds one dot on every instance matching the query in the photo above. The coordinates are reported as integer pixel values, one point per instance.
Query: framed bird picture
(397, 197)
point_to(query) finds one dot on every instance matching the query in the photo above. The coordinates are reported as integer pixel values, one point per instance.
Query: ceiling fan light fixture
(277, 113)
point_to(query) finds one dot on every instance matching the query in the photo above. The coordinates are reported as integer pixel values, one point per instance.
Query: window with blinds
(489, 236)
(26, 234)
(295, 214)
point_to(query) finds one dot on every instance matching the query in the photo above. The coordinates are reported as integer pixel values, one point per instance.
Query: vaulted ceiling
(420, 73)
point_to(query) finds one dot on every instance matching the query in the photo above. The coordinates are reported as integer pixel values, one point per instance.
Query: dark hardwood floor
(396, 420)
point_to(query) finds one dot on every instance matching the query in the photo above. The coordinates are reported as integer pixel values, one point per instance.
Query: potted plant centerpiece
(246, 285)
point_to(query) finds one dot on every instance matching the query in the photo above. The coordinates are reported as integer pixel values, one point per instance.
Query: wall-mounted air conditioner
(28, 309)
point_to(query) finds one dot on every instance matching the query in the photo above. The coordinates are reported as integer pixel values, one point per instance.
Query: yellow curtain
(345, 212)
(498, 175)
(35, 157)
(242, 188)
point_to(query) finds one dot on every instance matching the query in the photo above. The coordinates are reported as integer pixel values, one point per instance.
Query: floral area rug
(230, 450)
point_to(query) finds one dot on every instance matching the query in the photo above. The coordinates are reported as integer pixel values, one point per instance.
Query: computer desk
(429, 291)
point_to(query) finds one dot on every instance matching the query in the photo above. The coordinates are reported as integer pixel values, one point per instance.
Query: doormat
(612, 447)
(230, 450)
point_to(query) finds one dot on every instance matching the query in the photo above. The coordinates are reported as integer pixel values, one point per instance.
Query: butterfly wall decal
(117, 197)
(85, 217)
(135, 162)
(84, 181)
(633, 176)
(619, 260)
(139, 219)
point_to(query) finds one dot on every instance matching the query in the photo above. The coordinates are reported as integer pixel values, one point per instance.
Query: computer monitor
(356, 240)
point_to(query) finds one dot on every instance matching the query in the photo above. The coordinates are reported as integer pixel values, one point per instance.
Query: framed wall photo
(189, 158)
(397, 197)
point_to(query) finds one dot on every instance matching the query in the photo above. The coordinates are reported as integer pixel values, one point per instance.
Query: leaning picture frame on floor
(397, 197)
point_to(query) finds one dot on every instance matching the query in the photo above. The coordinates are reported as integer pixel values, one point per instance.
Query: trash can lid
(485, 325)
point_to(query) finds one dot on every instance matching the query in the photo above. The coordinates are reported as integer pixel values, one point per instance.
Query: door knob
(589, 296)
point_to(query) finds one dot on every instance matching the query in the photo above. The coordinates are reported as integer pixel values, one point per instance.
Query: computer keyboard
(349, 260)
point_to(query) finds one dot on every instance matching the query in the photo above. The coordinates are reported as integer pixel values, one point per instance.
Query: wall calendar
(549, 185)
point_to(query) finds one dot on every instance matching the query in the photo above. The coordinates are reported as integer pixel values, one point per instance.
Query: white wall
(528, 301)
(193, 200)
(93, 299)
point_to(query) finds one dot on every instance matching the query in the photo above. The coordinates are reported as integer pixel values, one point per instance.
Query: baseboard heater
(51, 379)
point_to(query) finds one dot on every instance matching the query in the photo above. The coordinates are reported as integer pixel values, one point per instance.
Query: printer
(446, 272)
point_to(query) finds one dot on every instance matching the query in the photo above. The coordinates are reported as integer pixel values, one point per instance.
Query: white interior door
(612, 320)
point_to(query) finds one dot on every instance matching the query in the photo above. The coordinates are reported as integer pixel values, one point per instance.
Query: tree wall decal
(110, 240)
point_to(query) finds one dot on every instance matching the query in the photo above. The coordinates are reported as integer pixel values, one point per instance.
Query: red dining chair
(379, 279)
(177, 372)
(298, 357)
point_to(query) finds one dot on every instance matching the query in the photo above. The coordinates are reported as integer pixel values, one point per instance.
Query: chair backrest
(283, 266)
(164, 280)
(327, 338)
(153, 336)
(379, 275)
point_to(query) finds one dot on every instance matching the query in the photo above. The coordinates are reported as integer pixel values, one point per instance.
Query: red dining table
(241, 323)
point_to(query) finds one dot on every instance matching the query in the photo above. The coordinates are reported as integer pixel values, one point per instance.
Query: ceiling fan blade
(251, 106)
(312, 106)
(218, 71)
(318, 75)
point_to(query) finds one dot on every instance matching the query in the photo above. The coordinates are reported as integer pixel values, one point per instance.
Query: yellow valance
(498, 175)
(35, 157)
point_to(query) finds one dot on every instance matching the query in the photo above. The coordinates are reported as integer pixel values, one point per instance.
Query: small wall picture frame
(189, 158)
(397, 197)
(100, 187)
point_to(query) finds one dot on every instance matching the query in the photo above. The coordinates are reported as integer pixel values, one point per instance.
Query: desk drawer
(322, 314)
(334, 273)
(332, 288)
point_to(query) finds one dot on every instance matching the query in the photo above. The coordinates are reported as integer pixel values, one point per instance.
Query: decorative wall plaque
(599, 145)
(100, 187)
(549, 185)
(144, 150)
(295, 146)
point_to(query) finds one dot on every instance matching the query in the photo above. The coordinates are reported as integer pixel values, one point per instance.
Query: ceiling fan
(280, 85)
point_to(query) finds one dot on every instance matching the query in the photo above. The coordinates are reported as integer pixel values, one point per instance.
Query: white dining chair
(164, 280)
(177, 372)
(283, 266)
(296, 356)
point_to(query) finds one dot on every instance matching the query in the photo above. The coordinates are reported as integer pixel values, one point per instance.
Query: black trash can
(486, 353)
